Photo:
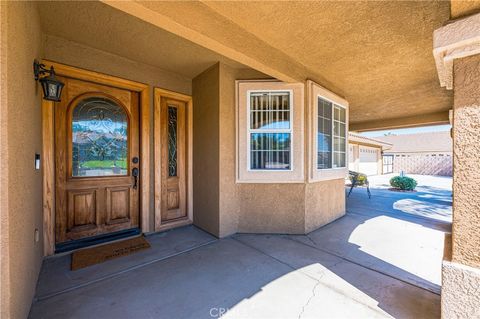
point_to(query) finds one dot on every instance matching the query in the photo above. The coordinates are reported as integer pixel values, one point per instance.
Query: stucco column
(457, 55)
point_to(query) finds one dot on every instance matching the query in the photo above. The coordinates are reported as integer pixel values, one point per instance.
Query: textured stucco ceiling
(379, 54)
(462, 8)
(104, 28)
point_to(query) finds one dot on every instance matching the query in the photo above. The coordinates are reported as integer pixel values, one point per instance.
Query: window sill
(328, 174)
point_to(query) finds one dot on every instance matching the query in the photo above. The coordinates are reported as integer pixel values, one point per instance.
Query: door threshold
(95, 240)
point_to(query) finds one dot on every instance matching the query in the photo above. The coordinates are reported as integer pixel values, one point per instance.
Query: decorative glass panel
(99, 138)
(270, 151)
(324, 134)
(270, 110)
(172, 141)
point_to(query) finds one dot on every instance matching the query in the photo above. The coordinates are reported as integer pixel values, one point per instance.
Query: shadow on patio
(363, 265)
(382, 259)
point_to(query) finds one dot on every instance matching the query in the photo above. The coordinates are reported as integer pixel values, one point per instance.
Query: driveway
(376, 262)
(397, 233)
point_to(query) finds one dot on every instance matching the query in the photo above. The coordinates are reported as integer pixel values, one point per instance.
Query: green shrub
(361, 179)
(403, 182)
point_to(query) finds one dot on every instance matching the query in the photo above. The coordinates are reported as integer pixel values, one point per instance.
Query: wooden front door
(96, 160)
(173, 159)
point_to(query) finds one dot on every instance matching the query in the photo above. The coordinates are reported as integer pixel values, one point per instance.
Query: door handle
(135, 177)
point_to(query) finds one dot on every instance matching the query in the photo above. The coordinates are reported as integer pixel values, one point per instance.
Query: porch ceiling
(377, 54)
(104, 28)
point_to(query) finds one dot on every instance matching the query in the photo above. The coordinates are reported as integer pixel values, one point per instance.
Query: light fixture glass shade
(52, 88)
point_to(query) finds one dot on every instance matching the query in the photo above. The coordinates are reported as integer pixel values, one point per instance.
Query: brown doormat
(96, 255)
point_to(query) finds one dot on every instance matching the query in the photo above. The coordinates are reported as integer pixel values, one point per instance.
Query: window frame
(296, 173)
(250, 130)
(332, 134)
(315, 91)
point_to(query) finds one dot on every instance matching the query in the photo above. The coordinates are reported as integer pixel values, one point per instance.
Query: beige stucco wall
(21, 185)
(229, 205)
(85, 57)
(206, 102)
(324, 202)
(466, 165)
(272, 208)
(460, 291)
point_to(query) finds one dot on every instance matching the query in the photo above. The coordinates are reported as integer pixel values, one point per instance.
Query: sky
(422, 129)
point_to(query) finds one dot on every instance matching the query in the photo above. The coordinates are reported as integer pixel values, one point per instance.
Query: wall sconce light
(52, 88)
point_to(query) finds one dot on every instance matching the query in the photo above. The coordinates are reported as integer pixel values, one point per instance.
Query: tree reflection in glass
(99, 138)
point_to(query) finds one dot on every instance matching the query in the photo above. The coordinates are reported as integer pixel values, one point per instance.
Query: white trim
(332, 119)
(314, 92)
(289, 131)
(456, 40)
(296, 173)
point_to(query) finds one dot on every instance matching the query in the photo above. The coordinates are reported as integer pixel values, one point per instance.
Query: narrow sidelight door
(173, 158)
(96, 160)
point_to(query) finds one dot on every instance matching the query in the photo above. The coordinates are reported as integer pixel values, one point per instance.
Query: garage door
(368, 160)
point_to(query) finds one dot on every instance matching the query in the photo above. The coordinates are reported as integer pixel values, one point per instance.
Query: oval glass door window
(99, 138)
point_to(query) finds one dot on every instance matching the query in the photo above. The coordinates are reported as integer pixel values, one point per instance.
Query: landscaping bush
(403, 182)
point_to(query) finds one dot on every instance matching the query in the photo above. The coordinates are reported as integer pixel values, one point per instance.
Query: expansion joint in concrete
(363, 266)
(121, 272)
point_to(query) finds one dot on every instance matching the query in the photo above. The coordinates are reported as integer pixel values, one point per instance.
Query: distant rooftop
(352, 137)
(419, 142)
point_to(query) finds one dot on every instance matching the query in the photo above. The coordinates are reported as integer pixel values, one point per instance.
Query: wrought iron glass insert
(99, 138)
(270, 151)
(270, 110)
(172, 141)
(270, 130)
(324, 134)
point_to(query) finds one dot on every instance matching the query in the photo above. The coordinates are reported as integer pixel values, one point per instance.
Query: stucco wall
(85, 57)
(206, 102)
(229, 206)
(21, 125)
(272, 208)
(460, 291)
(324, 202)
(466, 166)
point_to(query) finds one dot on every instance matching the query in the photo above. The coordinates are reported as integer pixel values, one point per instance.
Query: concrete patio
(380, 260)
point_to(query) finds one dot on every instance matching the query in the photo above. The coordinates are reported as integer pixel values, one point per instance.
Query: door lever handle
(135, 177)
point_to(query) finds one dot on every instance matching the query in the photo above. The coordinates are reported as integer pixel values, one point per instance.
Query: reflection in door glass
(172, 141)
(99, 138)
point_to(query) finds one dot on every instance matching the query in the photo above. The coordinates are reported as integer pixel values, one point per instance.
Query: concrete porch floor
(374, 262)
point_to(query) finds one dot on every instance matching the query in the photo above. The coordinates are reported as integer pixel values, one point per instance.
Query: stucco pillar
(457, 55)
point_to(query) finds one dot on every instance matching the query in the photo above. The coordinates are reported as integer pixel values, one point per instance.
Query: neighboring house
(365, 155)
(421, 153)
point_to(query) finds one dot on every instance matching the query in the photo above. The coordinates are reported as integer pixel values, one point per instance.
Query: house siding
(21, 184)
(206, 150)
